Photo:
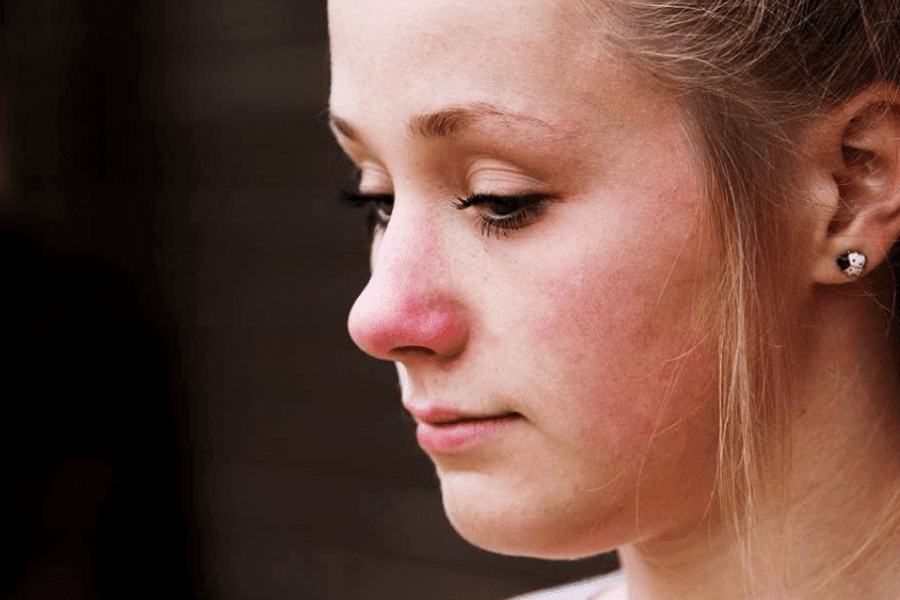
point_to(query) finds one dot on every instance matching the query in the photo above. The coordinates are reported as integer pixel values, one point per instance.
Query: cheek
(588, 327)
(627, 361)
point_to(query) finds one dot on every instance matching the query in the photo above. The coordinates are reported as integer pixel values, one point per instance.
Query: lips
(440, 416)
(442, 430)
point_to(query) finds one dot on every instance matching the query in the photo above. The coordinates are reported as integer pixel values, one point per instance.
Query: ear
(854, 156)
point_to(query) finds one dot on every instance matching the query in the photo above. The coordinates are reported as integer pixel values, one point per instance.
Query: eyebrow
(448, 121)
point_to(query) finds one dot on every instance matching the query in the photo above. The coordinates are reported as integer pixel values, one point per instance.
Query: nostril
(408, 312)
(401, 351)
(435, 331)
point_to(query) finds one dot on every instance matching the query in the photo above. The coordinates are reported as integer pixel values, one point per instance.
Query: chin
(522, 527)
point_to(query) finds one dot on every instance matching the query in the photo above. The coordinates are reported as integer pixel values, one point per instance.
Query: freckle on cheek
(599, 305)
(646, 334)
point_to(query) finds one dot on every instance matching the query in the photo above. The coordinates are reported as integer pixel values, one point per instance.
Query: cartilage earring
(852, 263)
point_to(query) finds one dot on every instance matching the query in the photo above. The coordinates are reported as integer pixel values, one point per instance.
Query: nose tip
(411, 304)
(392, 323)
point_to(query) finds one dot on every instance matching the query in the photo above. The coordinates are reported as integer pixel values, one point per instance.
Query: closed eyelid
(501, 178)
(373, 178)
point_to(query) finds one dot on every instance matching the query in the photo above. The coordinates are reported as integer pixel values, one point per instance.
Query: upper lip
(438, 415)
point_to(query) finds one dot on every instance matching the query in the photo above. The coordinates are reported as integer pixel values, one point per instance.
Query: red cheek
(646, 334)
(586, 302)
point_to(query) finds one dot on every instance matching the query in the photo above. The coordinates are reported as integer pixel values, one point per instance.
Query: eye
(380, 207)
(504, 214)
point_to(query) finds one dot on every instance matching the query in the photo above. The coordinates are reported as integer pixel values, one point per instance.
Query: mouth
(456, 433)
(439, 416)
(466, 420)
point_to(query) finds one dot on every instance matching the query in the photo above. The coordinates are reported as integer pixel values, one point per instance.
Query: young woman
(632, 260)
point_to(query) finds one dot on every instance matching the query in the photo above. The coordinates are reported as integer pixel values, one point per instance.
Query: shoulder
(606, 587)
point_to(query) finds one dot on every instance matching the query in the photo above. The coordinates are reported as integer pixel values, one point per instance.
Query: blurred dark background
(184, 415)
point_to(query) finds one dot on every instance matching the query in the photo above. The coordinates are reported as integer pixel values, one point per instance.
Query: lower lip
(457, 437)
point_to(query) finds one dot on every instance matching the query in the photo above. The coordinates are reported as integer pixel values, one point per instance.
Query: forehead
(460, 51)
(437, 17)
(543, 60)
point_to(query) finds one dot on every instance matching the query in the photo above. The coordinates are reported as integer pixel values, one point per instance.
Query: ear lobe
(857, 152)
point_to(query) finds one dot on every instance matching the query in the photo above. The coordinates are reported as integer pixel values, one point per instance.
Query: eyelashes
(379, 208)
(503, 215)
(497, 214)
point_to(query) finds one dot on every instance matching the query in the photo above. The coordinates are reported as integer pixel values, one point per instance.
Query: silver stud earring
(852, 263)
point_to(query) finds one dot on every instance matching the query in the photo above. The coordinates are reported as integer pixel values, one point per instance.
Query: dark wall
(97, 493)
(178, 147)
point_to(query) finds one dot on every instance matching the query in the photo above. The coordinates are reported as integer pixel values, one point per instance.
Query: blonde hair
(749, 75)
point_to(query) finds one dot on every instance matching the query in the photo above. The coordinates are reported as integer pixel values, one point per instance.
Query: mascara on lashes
(507, 213)
(376, 216)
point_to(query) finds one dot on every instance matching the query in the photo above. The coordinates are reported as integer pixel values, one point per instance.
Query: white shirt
(605, 587)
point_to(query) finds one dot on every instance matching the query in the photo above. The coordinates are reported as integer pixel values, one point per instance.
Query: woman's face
(536, 280)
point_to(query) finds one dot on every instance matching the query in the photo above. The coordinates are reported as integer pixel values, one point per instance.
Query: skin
(578, 320)
(584, 322)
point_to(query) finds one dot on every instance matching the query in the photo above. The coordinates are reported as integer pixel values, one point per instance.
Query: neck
(839, 531)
